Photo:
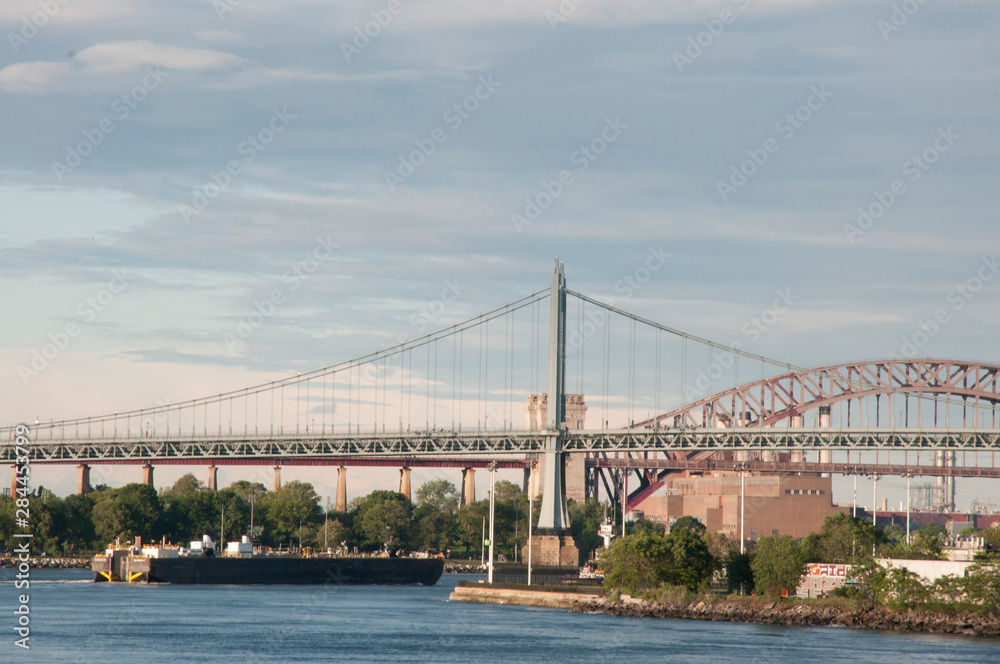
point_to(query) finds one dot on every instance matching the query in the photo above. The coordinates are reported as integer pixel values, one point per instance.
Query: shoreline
(47, 563)
(750, 610)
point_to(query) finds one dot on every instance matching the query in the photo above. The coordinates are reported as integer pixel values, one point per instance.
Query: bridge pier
(13, 481)
(213, 478)
(277, 478)
(147, 474)
(82, 479)
(404, 481)
(468, 486)
(341, 505)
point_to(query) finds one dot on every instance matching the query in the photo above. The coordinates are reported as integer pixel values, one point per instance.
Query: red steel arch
(769, 401)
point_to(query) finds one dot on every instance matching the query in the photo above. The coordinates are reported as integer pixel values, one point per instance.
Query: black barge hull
(268, 570)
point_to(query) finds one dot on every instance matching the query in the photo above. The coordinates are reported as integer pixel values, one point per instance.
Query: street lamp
(302, 497)
(531, 512)
(493, 485)
(253, 499)
(741, 468)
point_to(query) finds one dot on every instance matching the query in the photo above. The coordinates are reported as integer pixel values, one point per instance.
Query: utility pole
(326, 525)
(493, 490)
(742, 468)
(531, 511)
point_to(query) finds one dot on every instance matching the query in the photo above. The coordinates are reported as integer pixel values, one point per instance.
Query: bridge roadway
(793, 467)
(490, 443)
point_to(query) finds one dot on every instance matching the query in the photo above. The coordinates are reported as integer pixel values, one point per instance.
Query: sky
(167, 165)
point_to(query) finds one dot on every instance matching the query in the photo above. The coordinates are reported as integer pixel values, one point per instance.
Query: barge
(200, 566)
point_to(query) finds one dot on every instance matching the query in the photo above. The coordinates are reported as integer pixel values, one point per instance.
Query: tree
(739, 571)
(688, 522)
(691, 564)
(842, 539)
(283, 510)
(435, 516)
(125, 513)
(778, 564)
(585, 524)
(643, 526)
(383, 519)
(469, 532)
(642, 562)
(635, 563)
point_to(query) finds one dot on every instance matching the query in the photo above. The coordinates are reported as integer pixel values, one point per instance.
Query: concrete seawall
(540, 598)
(759, 610)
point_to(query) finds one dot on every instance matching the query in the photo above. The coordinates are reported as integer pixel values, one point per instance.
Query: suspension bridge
(581, 401)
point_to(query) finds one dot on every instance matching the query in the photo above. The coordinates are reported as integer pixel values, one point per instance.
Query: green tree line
(649, 562)
(291, 516)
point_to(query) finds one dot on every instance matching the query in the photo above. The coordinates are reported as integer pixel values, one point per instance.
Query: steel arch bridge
(786, 399)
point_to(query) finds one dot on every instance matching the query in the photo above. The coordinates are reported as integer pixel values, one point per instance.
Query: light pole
(874, 507)
(531, 512)
(854, 502)
(909, 474)
(326, 525)
(493, 486)
(302, 497)
(253, 499)
(742, 469)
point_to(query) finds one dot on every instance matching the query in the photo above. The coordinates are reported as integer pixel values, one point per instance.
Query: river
(76, 620)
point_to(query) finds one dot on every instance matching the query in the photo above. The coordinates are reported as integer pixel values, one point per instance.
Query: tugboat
(199, 564)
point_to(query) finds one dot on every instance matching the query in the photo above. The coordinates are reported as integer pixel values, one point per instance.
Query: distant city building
(793, 505)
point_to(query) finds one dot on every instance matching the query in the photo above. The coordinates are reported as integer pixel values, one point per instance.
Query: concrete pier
(404, 482)
(82, 479)
(147, 474)
(213, 478)
(277, 478)
(341, 505)
(468, 486)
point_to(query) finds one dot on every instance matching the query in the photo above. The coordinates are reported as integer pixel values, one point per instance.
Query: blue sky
(835, 99)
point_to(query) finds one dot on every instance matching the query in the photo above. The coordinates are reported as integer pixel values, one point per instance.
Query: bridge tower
(553, 544)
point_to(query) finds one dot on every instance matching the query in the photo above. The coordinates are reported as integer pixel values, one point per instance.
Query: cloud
(92, 69)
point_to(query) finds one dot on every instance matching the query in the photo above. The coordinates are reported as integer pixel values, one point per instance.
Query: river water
(76, 620)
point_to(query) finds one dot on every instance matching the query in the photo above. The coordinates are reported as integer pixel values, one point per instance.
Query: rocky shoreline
(800, 614)
(48, 563)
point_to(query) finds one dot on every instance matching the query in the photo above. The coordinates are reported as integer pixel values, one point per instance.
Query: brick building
(793, 505)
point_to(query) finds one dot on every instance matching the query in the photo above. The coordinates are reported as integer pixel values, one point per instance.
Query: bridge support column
(468, 486)
(825, 422)
(82, 479)
(277, 478)
(147, 474)
(13, 481)
(341, 505)
(553, 544)
(404, 482)
(213, 478)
